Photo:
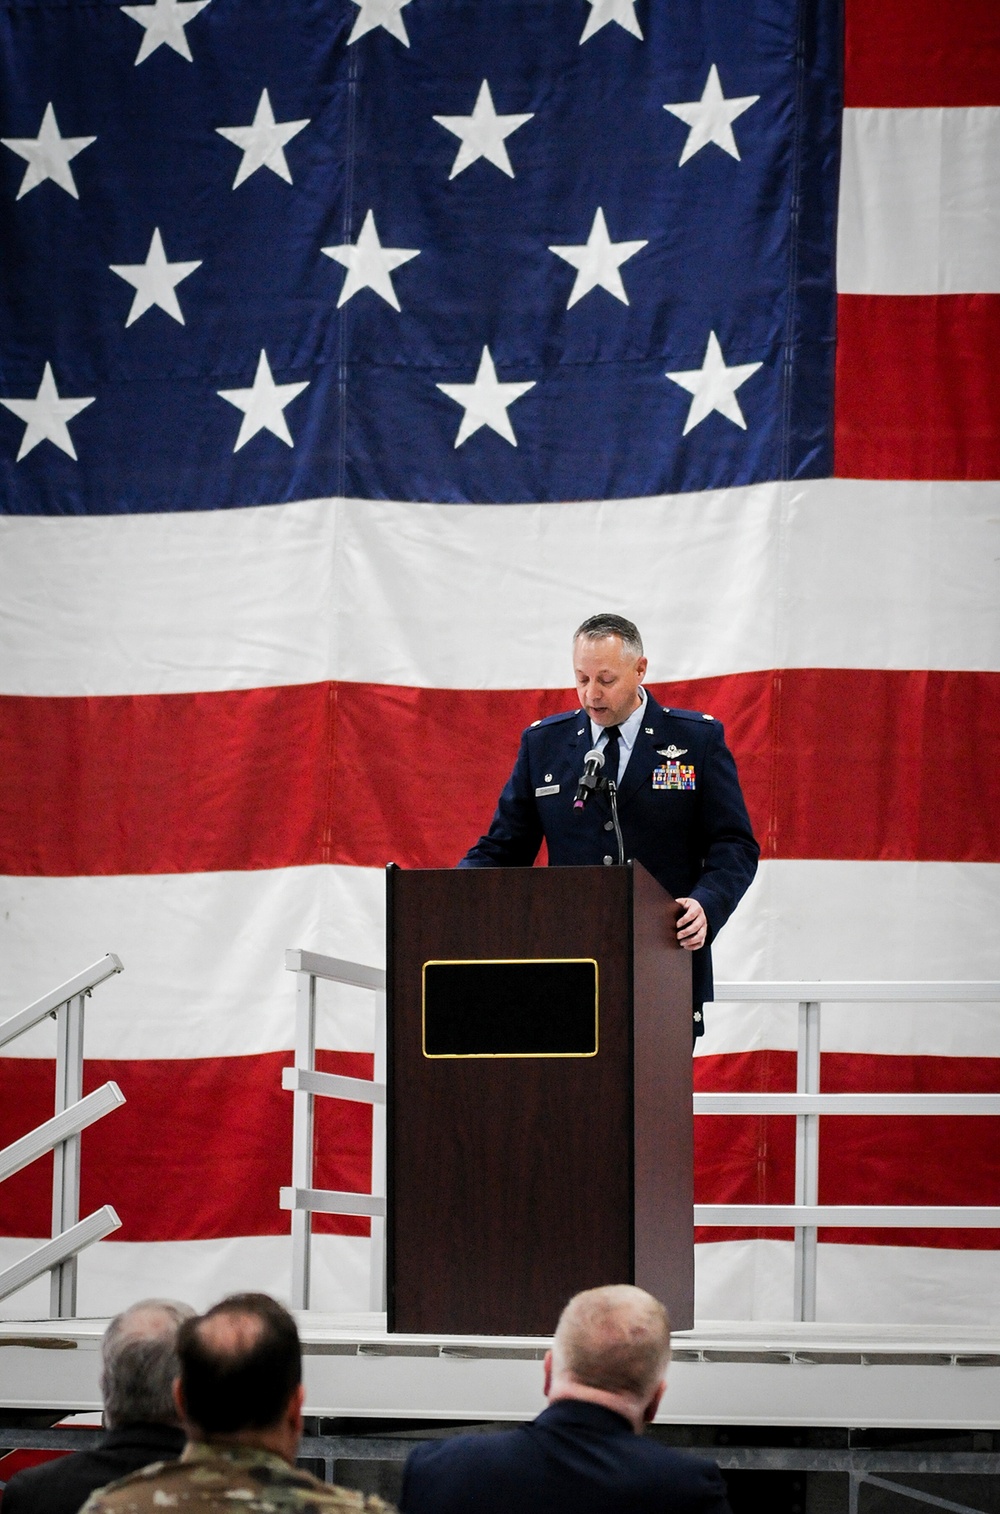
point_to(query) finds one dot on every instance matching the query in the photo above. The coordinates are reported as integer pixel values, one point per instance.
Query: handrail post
(302, 1136)
(302, 1198)
(377, 1283)
(806, 1160)
(66, 1156)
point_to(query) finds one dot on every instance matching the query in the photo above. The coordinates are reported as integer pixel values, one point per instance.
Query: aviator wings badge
(671, 751)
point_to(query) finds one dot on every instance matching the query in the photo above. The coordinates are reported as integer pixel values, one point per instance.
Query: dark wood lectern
(539, 1072)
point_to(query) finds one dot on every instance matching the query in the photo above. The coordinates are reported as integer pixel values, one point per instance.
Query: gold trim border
(507, 1056)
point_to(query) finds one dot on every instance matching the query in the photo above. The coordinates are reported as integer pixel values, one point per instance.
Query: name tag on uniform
(674, 775)
(550, 788)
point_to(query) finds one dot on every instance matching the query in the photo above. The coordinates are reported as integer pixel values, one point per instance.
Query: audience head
(241, 1374)
(139, 1363)
(611, 1347)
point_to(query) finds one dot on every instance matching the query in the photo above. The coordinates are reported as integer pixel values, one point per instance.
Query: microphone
(592, 764)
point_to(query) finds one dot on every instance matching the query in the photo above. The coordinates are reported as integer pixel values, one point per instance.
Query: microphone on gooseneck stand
(592, 764)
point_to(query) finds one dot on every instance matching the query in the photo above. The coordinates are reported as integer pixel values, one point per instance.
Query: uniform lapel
(643, 758)
(578, 743)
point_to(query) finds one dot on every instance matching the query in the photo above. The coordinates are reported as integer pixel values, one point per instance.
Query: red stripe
(240, 780)
(834, 763)
(202, 1147)
(922, 52)
(746, 1159)
(198, 1151)
(917, 395)
(947, 1160)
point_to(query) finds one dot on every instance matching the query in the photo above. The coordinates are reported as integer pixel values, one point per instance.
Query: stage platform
(722, 1373)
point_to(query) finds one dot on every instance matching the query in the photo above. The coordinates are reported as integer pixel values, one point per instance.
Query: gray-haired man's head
(597, 627)
(139, 1363)
(608, 666)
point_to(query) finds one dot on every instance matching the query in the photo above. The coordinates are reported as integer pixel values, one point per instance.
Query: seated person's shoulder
(452, 1474)
(134, 1488)
(47, 1486)
(459, 1457)
(369, 1503)
(307, 1492)
(171, 1485)
(489, 1446)
(690, 1476)
(287, 1490)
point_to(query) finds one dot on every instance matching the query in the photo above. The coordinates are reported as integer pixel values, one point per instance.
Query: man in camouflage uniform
(239, 1396)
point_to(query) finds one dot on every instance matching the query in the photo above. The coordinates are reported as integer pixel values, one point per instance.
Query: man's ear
(649, 1413)
(547, 1383)
(293, 1414)
(179, 1403)
(641, 667)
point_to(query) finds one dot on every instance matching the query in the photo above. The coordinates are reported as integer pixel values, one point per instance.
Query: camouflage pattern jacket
(217, 1479)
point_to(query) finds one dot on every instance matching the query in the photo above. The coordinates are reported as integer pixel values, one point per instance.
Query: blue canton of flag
(264, 250)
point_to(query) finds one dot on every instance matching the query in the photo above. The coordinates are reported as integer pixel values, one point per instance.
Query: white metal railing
(61, 1136)
(307, 1084)
(808, 1104)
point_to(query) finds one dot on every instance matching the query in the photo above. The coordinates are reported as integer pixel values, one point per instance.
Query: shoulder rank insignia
(671, 751)
(674, 775)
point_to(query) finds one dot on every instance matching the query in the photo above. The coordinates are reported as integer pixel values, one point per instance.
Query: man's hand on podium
(692, 927)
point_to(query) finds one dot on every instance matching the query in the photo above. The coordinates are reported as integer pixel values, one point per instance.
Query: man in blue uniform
(679, 805)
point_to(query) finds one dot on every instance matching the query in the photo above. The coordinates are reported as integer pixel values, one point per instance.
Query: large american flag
(355, 350)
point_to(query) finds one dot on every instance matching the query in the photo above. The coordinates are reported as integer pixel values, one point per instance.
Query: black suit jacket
(681, 808)
(63, 1486)
(576, 1456)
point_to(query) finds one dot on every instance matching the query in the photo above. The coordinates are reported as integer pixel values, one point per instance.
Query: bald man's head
(614, 1339)
(240, 1365)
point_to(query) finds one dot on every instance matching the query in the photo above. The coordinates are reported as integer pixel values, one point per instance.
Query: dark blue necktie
(612, 755)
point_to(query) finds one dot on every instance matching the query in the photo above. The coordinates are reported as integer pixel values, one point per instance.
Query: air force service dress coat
(680, 807)
(575, 1458)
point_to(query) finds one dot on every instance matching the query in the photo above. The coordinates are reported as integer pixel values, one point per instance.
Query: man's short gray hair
(615, 1338)
(139, 1363)
(596, 627)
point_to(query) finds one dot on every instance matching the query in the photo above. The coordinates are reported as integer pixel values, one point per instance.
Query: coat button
(697, 1015)
(609, 825)
(608, 861)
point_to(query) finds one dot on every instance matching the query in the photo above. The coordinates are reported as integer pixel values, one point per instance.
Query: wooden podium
(539, 1109)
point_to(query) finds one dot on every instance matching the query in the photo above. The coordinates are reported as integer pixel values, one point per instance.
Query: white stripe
(863, 920)
(826, 573)
(920, 201)
(116, 1274)
(204, 973)
(884, 1285)
(734, 1280)
(204, 957)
